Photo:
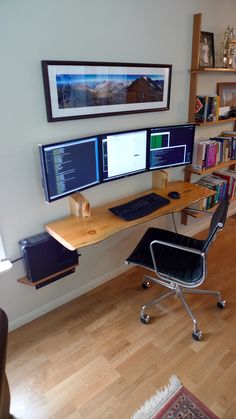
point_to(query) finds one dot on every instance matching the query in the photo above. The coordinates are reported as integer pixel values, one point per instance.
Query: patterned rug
(172, 402)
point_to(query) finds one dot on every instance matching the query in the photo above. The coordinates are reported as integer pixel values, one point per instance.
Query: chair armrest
(178, 246)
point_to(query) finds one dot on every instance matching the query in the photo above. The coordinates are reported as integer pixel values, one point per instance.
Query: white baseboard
(66, 298)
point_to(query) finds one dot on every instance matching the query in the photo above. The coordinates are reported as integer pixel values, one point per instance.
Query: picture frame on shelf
(233, 43)
(78, 89)
(227, 94)
(206, 50)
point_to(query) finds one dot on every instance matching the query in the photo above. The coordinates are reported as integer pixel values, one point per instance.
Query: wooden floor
(92, 358)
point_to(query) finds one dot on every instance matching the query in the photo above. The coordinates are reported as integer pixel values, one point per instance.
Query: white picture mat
(55, 70)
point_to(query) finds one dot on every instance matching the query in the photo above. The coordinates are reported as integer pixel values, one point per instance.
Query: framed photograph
(233, 43)
(90, 89)
(227, 94)
(207, 53)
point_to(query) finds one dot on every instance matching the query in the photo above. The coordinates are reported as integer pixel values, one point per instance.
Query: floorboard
(93, 359)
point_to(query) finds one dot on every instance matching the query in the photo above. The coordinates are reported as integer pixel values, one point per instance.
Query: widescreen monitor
(123, 154)
(69, 166)
(170, 146)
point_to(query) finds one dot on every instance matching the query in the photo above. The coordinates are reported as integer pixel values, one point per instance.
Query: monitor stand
(160, 179)
(79, 205)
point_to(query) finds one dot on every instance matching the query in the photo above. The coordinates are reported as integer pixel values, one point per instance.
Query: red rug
(174, 402)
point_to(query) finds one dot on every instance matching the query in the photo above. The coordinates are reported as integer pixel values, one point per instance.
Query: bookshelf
(219, 121)
(197, 71)
(190, 170)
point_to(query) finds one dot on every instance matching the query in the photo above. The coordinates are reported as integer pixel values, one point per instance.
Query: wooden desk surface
(74, 233)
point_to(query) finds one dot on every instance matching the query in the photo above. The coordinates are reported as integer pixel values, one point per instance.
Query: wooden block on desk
(160, 179)
(79, 205)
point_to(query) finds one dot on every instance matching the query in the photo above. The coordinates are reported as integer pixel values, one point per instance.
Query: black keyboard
(140, 207)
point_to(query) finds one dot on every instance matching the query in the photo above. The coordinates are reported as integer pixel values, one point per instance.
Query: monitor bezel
(45, 185)
(171, 166)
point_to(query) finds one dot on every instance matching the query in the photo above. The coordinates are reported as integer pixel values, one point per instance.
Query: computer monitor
(69, 166)
(170, 146)
(123, 154)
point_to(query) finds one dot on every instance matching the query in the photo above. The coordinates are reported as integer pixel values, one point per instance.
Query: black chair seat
(180, 270)
(182, 265)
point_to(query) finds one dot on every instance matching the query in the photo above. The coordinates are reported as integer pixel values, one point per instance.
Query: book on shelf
(199, 153)
(206, 108)
(230, 177)
(200, 108)
(231, 137)
(224, 148)
(219, 185)
(216, 150)
(205, 154)
(232, 173)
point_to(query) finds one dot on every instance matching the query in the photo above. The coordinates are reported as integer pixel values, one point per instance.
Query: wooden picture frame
(227, 93)
(206, 50)
(80, 89)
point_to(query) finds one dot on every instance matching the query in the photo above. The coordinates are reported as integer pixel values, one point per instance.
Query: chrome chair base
(178, 291)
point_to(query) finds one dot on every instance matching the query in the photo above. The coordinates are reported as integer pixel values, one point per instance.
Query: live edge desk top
(74, 233)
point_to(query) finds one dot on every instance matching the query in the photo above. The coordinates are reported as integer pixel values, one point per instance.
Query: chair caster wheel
(145, 318)
(197, 335)
(146, 284)
(221, 304)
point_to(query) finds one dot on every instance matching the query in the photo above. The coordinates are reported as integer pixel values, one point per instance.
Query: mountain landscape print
(87, 89)
(75, 90)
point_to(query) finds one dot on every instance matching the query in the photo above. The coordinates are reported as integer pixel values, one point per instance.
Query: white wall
(155, 31)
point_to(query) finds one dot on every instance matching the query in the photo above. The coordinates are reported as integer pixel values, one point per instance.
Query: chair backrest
(217, 221)
(4, 387)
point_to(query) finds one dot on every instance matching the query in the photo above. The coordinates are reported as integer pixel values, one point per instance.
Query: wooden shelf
(196, 71)
(203, 172)
(189, 170)
(26, 281)
(219, 121)
(213, 70)
(196, 214)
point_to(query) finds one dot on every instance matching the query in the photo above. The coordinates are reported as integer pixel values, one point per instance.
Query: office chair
(180, 263)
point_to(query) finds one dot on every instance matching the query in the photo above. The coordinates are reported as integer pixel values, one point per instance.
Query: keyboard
(140, 207)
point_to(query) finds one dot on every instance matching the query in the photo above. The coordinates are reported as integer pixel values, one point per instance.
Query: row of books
(216, 183)
(207, 108)
(229, 176)
(208, 153)
(224, 183)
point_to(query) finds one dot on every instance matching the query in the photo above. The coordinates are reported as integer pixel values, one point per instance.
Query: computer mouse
(174, 195)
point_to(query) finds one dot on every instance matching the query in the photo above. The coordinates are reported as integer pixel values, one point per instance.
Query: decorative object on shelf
(227, 47)
(207, 53)
(227, 95)
(207, 108)
(196, 72)
(79, 89)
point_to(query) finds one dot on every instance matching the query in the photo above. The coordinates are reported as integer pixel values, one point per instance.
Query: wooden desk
(74, 233)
